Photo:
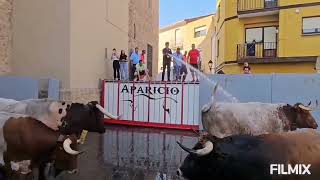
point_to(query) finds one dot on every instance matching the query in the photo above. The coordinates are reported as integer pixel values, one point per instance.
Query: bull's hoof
(3, 175)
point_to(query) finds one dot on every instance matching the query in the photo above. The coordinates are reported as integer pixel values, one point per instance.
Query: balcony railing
(250, 5)
(257, 50)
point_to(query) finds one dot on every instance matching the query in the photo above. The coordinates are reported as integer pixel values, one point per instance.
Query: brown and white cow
(59, 115)
(50, 112)
(226, 119)
(29, 140)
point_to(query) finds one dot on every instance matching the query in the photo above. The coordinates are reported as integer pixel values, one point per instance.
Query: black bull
(244, 157)
(80, 117)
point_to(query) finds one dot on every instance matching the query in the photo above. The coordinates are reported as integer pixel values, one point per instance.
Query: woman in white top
(116, 64)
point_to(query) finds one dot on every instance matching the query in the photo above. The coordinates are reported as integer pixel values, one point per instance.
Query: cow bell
(83, 137)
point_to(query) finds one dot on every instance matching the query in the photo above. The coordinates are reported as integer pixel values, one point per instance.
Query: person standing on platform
(184, 70)
(166, 61)
(178, 57)
(124, 72)
(194, 59)
(135, 58)
(116, 65)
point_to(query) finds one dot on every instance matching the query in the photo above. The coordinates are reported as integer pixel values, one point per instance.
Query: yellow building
(198, 31)
(274, 36)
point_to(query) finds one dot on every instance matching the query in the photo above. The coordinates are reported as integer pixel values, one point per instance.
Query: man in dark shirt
(166, 61)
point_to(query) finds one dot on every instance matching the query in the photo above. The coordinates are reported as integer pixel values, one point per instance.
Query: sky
(172, 11)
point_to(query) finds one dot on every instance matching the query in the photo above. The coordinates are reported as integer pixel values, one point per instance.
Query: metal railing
(249, 5)
(257, 50)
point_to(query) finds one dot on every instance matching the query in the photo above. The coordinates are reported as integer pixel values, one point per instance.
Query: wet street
(124, 153)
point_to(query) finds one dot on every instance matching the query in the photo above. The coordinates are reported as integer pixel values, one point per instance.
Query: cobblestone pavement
(124, 153)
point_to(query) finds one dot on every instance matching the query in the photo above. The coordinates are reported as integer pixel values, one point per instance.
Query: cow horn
(106, 113)
(67, 148)
(207, 149)
(304, 107)
(215, 89)
(309, 104)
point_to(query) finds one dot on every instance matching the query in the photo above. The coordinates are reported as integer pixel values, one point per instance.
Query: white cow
(226, 119)
(49, 112)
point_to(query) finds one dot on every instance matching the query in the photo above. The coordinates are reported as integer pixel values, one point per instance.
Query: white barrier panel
(153, 104)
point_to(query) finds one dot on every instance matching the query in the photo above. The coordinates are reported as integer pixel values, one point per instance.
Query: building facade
(144, 30)
(198, 31)
(274, 36)
(5, 35)
(72, 41)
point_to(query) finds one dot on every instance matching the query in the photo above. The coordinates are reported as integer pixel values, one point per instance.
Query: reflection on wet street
(124, 153)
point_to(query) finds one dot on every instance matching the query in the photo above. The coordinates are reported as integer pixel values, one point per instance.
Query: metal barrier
(153, 104)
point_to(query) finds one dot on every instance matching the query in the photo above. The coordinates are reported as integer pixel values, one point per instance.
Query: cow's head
(85, 117)
(65, 154)
(198, 163)
(303, 116)
(58, 111)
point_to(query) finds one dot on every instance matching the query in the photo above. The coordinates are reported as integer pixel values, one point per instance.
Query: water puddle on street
(124, 153)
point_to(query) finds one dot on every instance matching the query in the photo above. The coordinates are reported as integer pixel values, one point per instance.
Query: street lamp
(210, 63)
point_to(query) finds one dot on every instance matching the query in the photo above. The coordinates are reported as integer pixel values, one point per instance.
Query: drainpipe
(318, 65)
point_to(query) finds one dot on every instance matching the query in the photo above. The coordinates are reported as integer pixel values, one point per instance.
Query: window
(254, 34)
(261, 42)
(311, 25)
(263, 34)
(178, 37)
(200, 31)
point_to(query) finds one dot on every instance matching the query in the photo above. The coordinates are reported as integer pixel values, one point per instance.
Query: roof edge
(183, 22)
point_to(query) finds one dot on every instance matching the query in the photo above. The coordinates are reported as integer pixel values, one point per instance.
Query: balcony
(257, 52)
(257, 8)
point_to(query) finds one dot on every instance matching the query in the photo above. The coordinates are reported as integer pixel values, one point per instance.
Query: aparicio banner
(154, 103)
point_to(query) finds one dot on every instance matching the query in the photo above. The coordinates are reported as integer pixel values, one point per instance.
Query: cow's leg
(42, 171)
(3, 173)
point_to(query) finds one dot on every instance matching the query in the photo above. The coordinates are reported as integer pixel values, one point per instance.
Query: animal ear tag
(83, 136)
